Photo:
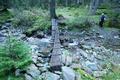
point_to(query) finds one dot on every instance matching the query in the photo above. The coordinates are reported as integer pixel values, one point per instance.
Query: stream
(87, 49)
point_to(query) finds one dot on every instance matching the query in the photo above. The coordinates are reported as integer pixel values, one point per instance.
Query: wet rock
(83, 53)
(70, 45)
(117, 37)
(99, 73)
(101, 36)
(2, 39)
(75, 66)
(78, 76)
(70, 40)
(28, 77)
(87, 38)
(93, 66)
(29, 33)
(49, 76)
(34, 59)
(86, 47)
(40, 60)
(40, 65)
(99, 57)
(40, 35)
(68, 73)
(52, 76)
(44, 67)
(17, 72)
(58, 72)
(23, 37)
(66, 57)
(33, 71)
(67, 60)
(34, 48)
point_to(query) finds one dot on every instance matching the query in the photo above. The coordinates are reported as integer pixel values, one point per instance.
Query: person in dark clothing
(102, 20)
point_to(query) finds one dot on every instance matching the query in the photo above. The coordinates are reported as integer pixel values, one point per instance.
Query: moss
(84, 75)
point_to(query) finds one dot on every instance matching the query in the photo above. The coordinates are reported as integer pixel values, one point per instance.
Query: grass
(114, 73)
(77, 18)
(84, 75)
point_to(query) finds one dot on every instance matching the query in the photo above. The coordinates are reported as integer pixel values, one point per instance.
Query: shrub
(13, 55)
(113, 21)
(106, 11)
(5, 16)
(23, 18)
(41, 23)
(28, 17)
(104, 6)
(78, 23)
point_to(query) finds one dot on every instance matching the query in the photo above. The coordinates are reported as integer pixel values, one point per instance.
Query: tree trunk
(4, 5)
(52, 9)
(93, 6)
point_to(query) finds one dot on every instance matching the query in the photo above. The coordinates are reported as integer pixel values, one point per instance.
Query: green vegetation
(114, 74)
(15, 54)
(113, 17)
(23, 18)
(11, 77)
(5, 15)
(113, 21)
(33, 20)
(78, 23)
(77, 18)
(84, 75)
(40, 24)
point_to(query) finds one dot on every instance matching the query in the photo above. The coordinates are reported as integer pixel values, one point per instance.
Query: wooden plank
(55, 60)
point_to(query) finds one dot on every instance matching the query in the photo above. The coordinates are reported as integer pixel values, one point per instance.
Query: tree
(52, 9)
(4, 4)
(93, 6)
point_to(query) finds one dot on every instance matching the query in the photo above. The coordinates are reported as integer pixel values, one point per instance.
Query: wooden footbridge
(55, 61)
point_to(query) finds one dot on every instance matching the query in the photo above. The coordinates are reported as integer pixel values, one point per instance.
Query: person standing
(102, 20)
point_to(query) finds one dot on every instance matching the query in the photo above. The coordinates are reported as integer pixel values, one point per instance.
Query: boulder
(52, 76)
(66, 57)
(33, 71)
(68, 73)
(86, 47)
(91, 65)
(99, 73)
(101, 36)
(27, 77)
(75, 66)
(83, 53)
(49, 76)
(40, 35)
